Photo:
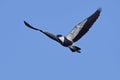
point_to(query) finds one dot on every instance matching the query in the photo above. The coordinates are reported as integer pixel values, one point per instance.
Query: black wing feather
(88, 25)
(83, 27)
(28, 25)
(50, 35)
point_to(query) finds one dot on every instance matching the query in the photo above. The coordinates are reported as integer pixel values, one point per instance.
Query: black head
(59, 35)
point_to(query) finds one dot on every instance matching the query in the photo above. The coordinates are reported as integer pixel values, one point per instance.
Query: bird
(75, 34)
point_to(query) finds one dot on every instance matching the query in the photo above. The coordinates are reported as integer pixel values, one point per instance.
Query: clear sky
(26, 54)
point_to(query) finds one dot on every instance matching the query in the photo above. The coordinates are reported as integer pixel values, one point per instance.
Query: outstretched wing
(83, 27)
(50, 35)
(28, 25)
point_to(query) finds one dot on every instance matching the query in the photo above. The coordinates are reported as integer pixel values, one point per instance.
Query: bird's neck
(61, 38)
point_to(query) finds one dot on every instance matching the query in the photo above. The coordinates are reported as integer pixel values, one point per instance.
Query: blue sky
(29, 55)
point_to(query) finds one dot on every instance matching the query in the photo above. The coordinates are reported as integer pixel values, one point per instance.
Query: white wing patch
(76, 30)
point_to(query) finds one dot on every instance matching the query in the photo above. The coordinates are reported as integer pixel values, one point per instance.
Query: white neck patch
(62, 38)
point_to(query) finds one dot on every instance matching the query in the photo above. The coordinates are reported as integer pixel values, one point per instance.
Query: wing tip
(26, 23)
(99, 9)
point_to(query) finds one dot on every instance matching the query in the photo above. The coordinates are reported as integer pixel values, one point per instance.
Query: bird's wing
(28, 25)
(83, 27)
(50, 35)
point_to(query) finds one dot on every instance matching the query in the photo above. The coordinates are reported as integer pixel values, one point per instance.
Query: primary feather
(83, 27)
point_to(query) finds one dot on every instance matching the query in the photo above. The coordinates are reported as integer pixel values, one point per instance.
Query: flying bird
(77, 32)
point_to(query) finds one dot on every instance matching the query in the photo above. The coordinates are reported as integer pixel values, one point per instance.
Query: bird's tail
(74, 49)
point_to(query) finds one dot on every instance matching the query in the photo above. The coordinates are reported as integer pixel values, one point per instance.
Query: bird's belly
(67, 43)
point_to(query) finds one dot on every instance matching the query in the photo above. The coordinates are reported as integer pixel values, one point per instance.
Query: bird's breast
(65, 42)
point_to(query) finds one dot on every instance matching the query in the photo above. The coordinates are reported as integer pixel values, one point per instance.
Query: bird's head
(59, 35)
(61, 38)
